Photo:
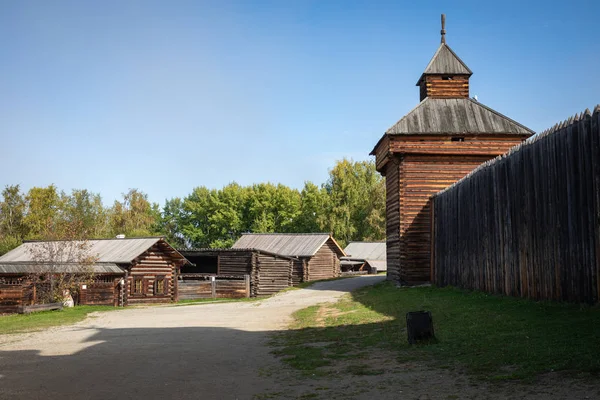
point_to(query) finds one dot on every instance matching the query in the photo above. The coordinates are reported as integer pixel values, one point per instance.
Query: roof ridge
(89, 240)
(432, 62)
(287, 234)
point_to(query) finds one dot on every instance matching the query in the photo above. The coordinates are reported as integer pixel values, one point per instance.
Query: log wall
(392, 218)
(15, 295)
(527, 224)
(420, 166)
(268, 273)
(443, 86)
(273, 274)
(152, 265)
(325, 263)
(101, 293)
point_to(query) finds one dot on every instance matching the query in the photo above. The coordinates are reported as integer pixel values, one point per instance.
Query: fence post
(247, 282)
(213, 287)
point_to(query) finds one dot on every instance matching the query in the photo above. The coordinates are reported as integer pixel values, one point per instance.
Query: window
(446, 78)
(138, 285)
(160, 285)
(458, 139)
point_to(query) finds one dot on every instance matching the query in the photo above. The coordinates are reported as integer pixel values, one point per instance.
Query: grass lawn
(16, 323)
(492, 337)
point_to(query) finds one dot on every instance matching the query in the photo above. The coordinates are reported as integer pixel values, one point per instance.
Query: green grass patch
(17, 323)
(492, 337)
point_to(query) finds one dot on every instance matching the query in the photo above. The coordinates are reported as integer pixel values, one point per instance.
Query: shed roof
(40, 268)
(202, 251)
(445, 62)
(366, 250)
(455, 117)
(287, 244)
(118, 251)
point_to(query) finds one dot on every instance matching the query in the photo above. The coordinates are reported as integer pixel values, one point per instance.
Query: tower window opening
(458, 139)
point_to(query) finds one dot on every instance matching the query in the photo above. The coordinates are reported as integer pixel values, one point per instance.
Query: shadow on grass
(492, 337)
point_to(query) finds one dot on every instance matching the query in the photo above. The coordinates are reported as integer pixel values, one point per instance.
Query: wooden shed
(267, 273)
(126, 271)
(317, 254)
(367, 257)
(446, 136)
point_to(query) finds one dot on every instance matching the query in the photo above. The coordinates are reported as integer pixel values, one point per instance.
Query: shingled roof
(455, 117)
(366, 250)
(117, 251)
(286, 244)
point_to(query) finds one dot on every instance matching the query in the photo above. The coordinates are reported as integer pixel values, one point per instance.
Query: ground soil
(222, 351)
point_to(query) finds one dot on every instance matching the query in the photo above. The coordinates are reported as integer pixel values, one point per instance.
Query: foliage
(134, 216)
(351, 205)
(492, 337)
(64, 260)
(44, 213)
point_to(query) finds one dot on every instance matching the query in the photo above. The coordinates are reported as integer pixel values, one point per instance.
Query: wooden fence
(527, 224)
(201, 286)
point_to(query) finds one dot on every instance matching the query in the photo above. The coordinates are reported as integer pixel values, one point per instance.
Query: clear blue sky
(165, 96)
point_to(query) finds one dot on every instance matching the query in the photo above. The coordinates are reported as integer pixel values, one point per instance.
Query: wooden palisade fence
(527, 223)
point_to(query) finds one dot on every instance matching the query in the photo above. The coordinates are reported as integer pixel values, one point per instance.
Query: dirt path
(210, 351)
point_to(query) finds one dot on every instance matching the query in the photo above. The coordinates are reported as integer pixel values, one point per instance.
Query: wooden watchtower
(447, 135)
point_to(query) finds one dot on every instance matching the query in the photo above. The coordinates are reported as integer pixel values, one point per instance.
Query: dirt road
(209, 351)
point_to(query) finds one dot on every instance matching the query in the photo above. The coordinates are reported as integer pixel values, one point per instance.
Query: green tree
(171, 222)
(85, 209)
(356, 201)
(272, 208)
(44, 209)
(12, 213)
(134, 216)
(313, 201)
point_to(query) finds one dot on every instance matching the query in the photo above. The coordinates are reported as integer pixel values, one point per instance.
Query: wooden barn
(263, 273)
(447, 135)
(317, 254)
(369, 257)
(126, 271)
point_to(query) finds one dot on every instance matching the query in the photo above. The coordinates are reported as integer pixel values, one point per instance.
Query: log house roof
(287, 244)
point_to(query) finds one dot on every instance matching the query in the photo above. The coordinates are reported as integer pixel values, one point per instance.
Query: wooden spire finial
(443, 32)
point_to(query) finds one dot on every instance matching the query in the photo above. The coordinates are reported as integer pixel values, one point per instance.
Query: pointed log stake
(443, 32)
(597, 109)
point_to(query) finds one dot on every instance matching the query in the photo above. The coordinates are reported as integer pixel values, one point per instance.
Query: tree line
(350, 204)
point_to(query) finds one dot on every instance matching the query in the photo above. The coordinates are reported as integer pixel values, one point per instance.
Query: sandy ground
(221, 351)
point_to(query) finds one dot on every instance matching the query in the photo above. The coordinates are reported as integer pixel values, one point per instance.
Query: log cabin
(446, 136)
(125, 271)
(317, 255)
(267, 273)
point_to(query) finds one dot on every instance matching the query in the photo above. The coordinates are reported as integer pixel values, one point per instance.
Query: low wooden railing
(204, 286)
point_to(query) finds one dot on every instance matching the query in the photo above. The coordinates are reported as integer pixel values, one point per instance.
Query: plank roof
(455, 117)
(118, 251)
(445, 62)
(366, 250)
(40, 268)
(286, 244)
